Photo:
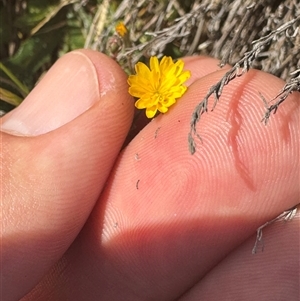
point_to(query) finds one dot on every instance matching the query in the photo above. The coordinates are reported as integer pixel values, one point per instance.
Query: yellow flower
(121, 29)
(158, 88)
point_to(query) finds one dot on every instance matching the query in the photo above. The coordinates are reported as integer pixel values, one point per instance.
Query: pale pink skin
(84, 221)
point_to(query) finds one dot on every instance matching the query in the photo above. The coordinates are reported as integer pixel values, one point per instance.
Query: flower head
(121, 29)
(158, 87)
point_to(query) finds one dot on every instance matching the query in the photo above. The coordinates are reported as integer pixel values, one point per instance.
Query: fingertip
(58, 163)
(200, 66)
(76, 82)
(237, 164)
(110, 75)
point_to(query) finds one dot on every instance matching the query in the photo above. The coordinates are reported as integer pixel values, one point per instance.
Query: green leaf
(10, 97)
(23, 89)
(33, 55)
(37, 11)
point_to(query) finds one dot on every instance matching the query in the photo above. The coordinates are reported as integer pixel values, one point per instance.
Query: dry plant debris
(261, 34)
(287, 215)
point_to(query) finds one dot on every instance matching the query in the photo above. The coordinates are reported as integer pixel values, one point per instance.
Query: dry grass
(261, 34)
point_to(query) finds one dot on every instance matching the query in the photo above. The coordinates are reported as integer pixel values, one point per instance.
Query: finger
(184, 212)
(201, 66)
(166, 217)
(266, 275)
(58, 149)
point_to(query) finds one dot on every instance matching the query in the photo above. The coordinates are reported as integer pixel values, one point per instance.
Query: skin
(87, 217)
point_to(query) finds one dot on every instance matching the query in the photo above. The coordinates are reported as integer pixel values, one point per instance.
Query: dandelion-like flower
(158, 87)
(121, 29)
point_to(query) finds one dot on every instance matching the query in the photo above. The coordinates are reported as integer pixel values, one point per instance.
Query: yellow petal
(151, 111)
(142, 70)
(141, 103)
(184, 76)
(162, 109)
(154, 65)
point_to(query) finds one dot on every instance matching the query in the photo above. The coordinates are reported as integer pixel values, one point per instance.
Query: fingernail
(67, 90)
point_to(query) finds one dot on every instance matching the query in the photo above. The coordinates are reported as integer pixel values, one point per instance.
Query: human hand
(84, 221)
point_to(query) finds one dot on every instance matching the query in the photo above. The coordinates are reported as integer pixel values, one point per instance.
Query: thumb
(58, 148)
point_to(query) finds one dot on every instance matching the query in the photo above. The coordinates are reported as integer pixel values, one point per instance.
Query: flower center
(158, 97)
